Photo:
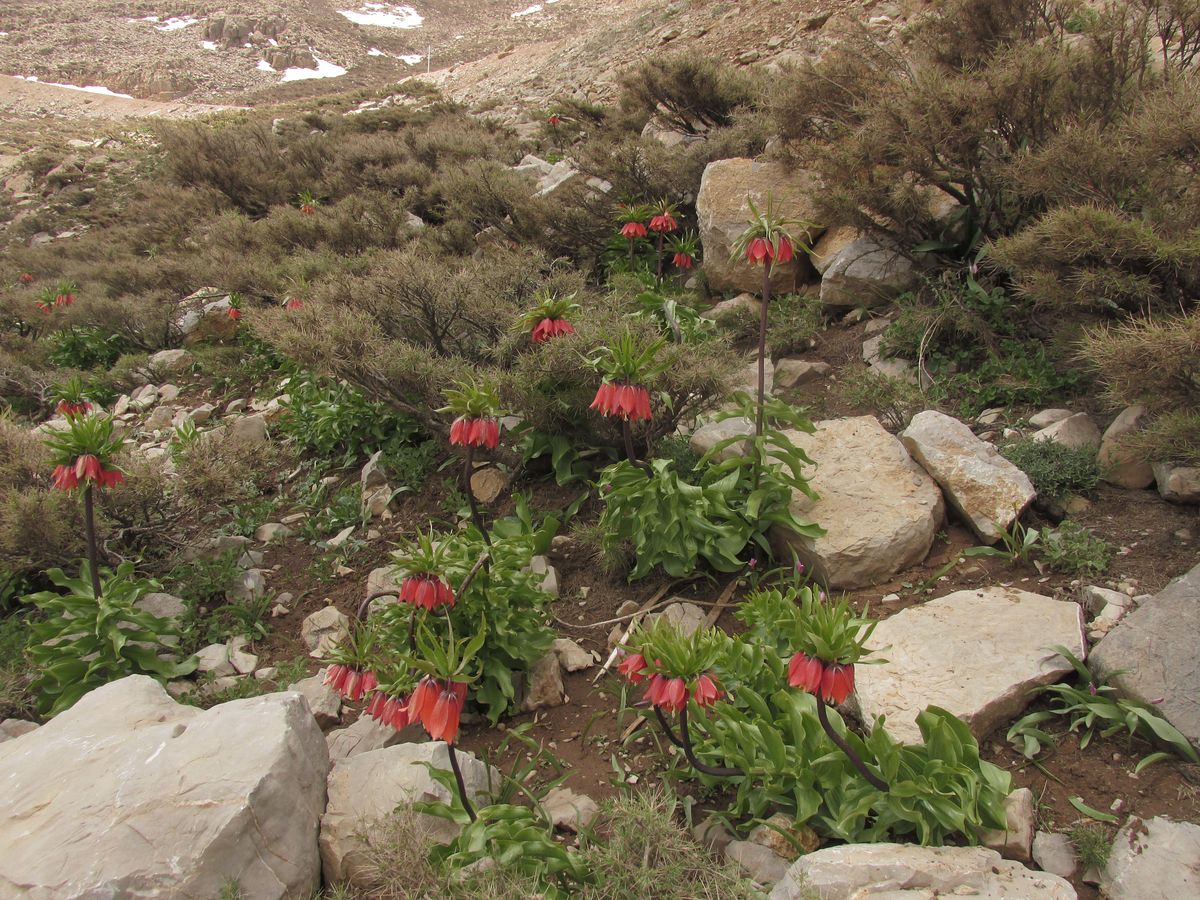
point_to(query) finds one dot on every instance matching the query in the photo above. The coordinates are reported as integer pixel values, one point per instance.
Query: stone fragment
(1015, 841)
(341, 537)
(1054, 853)
(539, 565)
(324, 629)
(784, 837)
(271, 531)
(831, 243)
(976, 653)
(323, 700)
(1118, 465)
(687, 618)
(1178, 484)
(1153, 859)
(214, 660)
(130, 794)
(545, 684)
(569, 810)
(988, 491)
(571, 656)
(203, 317)
(249, 429)
(1048, 417)
(165, 606)
(365, 735)
(744, 303)
(10, 729)
(160, 418)
(879, 509)
(250, 585)
(713, 834)
(759, 863)
(722, 211)
(367, 787)
(791, 373)
(868, 272)
(1151, 655)
(910, 872)
(1078, 432)
(170, 362)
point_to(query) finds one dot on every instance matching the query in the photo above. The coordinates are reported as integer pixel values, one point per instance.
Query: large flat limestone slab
(1156, 646)
(975, 653)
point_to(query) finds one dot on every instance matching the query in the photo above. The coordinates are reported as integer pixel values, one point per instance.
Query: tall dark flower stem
(659, 275)
(686, 743)
(468, 471)
(627, 433)
(876, 782)
(458, 779)
(762, 347)
(93, 552)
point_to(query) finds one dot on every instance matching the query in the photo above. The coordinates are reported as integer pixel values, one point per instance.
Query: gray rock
(366, 735)
(1016, 841)
(160, 418)
(202, 413)
(791, 373)
(903, 871)
(1048, 417)
(129, 794)
(324, 629)
(571, 656)
(545, 684)
(687, 618)
(539, 565)
(243, 663)
(270, 532)
(743, 303)
(1096, 599)
(204, 317)
(713, 834)
(169, 362)
(341, 537)
(759, 863)
(249, 429)
(1054, 853)
(868, 272)
(366, 788)
(165, 606)
(831, 243)
(1151, 655)
(372, 475)
(722, 211)
(569, 810)
(710, 434)
(746, 378)
(214, 660)
(324, 702)
(1154, 859)
(250, 585)
(1078, 432)
(1178, 484)
(874, 526)
(975, 653)
(11, 729)
(1118, 465)
(987, 490)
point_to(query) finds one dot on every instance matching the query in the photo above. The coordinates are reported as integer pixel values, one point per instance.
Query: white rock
(1049, 417)
(1118, 465)
(880, 509)
(165, 606)
(909, 872)
(762, 865)
(545, 684)
(324, 701)
(868, 272)
(1097, 598)
(271, 531)
(1016, 841)
(987, 490)
(168, 362)
(1154, 859)
(324, 629)
(1054, 853)
(1078, 432)
(243, 663)
(249, 429)
(569, 810)
(341, 537)
(687, 618)
(202, 413)
(160, 418)
(790, 373)
(214, 660)
(367, 787)
(744, 302)
(975, 653)
(250, 585)
(571, 656)
(129, 794)
(365, 735)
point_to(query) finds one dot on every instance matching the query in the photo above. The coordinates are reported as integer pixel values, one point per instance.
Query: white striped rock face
(129, 793)
(975, 653)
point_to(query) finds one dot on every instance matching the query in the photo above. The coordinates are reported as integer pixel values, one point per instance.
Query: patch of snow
(324, 69)
(264, 66)
(208, 45)
(384, 15)
(411, 58)
(175, 23)
(528, 11)
(3, 34)
(375, 51)
(90, 89)
(273, 42)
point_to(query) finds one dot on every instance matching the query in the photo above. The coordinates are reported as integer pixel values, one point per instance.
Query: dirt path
(20, 98)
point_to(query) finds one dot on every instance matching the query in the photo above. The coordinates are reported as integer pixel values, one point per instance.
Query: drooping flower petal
(423, 698)
(683, 260)
(784, 252)
(674, 695)
(706, 692)
(442, 724)
(631, 667)
(633, 230)
(664, 223)
(837, 683)
(805, 672)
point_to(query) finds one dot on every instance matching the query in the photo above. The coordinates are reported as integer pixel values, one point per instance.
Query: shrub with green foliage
(1056, 471)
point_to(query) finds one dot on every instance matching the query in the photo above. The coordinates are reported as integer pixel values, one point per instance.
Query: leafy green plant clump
(1055, 470)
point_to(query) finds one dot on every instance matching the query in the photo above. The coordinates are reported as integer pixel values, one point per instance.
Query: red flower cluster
(86, 470)
(234, 313)
(64, 299)
(683, 260)
(293, 303)
(25, 278)
(831, 683)
(633, 230)
(628, 401)
(69, 408)
(631, 667)
(553, 120)
(437, 705)
(45, 308)
(308, 209)
(761, 251)
(391, 711)
(478, 432)
(663, 222)
(670, 694)
(427, 591)
(706, 692)
(551, 328)
(350, 682)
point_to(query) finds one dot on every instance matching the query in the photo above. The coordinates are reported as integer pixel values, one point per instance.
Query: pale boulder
(866, 273)
(987, 490)
(1078, 432)
(975, 653)
(831, 243)
(1154, 859)
(1118, 465)
(130, 794)
(1178, 484)
(723, 213)
(324, 629)
(879, 509)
